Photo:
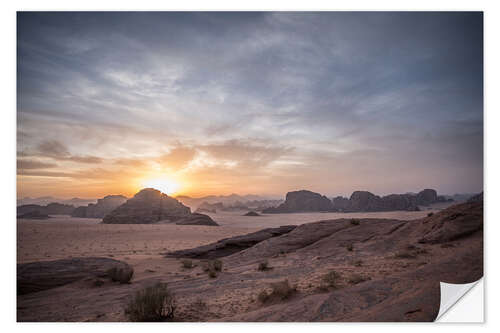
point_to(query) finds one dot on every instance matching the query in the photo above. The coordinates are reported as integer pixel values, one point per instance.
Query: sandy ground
(236, 218)
(63, 237)
(142, 247)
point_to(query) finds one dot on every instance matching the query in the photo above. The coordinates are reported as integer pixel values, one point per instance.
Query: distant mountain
(226, 200)
(48, 199)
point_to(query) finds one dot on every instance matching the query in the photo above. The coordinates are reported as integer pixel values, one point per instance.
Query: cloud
(57, 151)
(34, 164)
(276, 97)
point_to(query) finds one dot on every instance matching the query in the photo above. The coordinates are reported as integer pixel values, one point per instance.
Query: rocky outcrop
(206, 207)
(101, 208)
(465, 219)
(50, 209)
(427, 197)
(302, 201)
(251, 213)
(476, 198)
(196, 219)
(33, 215)
(152, 206)
(364, 201)
(43, 275)
(228, 246)
(360, 201)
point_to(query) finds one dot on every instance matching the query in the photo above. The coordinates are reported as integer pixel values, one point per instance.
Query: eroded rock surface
(43, 275)
(100, 209)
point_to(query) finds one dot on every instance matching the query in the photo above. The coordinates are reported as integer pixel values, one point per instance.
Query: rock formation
(228, 246)
(43, 275)
(152, 206)
(251, 213)
(195, 219)
(33, 215)
(50, 209)
(476, 198)
(302, 201)
(101, 208)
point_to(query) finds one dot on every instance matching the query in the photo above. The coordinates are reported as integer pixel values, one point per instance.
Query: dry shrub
(331, 279)
(186, 263)
(430, 214)
(279, 291)
(356, 278)
(358, 263)
(264, 266)
(122, 275)
(354, 221)
(349, 247)
(405, 255)
(154, 303)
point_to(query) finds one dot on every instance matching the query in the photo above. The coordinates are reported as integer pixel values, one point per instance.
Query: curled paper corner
(451, 294)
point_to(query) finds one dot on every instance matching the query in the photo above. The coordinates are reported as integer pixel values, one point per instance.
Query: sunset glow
(164, 185)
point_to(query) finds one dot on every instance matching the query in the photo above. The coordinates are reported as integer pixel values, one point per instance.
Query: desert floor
(142, 247)
(62, 237)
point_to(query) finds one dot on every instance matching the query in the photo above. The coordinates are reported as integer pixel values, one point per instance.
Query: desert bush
(358, 263)
(430, 214)
(279, 291)
(263, 266)
(155, 303)
(405, 255)
(263, 296)
(212, 265)
(217, 264)
(122, 275)
(356, 278)
(186, 263)
(349, 247)
(212, 274)
(354, 221)
(331, 279)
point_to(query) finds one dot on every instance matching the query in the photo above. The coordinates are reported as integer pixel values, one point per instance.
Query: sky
(200, 103)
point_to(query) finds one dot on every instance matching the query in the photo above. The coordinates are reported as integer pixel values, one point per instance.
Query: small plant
(358, 263)
(331, 279)
(349, 247)
(280, 291)
(217, 264)
(263, 266)
(186, 263)
(354, 221)
(212, 267)
(356, 278)
(122, 275)
(430, 214)
(405, 255)
(263, 296)
(154, 303)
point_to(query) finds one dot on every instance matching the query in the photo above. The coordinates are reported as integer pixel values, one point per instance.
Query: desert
(253, 166)
(372, 266)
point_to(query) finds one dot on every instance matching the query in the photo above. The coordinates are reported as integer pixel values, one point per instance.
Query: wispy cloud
(260, 101)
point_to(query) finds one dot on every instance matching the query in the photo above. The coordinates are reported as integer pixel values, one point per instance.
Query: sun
(164, 185)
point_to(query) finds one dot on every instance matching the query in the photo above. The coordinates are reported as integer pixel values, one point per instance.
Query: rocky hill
(152, 206)
(302, 201)
(360, 201)
(50, 209)
(101, 208)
